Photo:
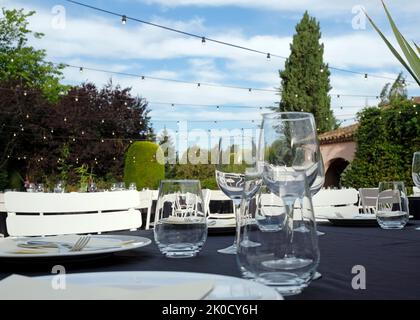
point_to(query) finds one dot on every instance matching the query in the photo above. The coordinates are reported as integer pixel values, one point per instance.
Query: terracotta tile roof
(339, 135)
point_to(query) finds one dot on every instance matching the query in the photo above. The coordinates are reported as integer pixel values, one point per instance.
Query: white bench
(42, 214)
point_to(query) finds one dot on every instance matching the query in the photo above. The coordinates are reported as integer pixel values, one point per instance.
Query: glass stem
(237, 212)
(289, 246)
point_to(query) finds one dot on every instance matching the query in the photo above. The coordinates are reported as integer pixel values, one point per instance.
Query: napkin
(17, 287)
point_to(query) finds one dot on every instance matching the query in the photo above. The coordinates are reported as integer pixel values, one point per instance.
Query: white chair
(218, 195)
(2, 207)
(367, 200)
(42, 214)
(331, 203)
(206, 200)
(146, 201)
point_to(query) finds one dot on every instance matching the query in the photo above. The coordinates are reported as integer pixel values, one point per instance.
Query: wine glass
(415, 172)
(290, 147)
(235, 158)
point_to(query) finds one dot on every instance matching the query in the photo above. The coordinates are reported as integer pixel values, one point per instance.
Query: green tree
(391, 94)
(21, 65)
(167, 145)
(305, 79)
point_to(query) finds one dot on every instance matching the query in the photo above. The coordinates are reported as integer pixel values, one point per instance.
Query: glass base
(179, 255)
(287, 284)
(179, 250)
(249, 244)
(287, 263)
(229, 250)
(418, 229)
(317, 276)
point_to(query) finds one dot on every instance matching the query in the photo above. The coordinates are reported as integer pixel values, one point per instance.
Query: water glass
(132, 186)
(114, 187)
(31, 187)
(180, 229)
(92, 187)
(392, 205)
(40, 187)
(120, 186)
(284, 249)
(59, 187)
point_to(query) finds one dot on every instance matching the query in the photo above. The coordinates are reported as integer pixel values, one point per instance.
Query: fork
(80, 243)
(78, 246)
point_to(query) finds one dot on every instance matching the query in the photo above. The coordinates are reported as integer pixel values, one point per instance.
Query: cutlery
(37, 244)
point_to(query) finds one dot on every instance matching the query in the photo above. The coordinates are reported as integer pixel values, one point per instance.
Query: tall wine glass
(415, 171)
(290, 147)
(236, 160)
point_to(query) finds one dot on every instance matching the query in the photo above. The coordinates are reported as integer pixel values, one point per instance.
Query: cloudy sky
(80, 36)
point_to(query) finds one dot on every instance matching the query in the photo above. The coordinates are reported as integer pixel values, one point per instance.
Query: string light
(209, 39)
(366, 75)
(124, 19)
(81, 69)
(203, 40)
(268, 56)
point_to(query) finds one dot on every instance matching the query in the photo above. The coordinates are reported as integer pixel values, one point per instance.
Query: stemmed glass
(235, 158)
(290, 147)
(415, 171)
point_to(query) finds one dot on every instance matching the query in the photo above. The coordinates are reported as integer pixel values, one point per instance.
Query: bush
(141, 166)
(386, 140)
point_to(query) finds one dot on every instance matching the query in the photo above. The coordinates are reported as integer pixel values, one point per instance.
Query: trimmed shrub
(142, 167)
(386, 139)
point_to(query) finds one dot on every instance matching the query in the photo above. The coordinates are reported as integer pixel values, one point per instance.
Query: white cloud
(321, 7)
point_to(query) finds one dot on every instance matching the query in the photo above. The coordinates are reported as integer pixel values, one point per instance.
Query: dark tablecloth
(391, 259)
(414, 206)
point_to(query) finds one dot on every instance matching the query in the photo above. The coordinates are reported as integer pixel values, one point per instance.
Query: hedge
(386, 139)
(141, 166)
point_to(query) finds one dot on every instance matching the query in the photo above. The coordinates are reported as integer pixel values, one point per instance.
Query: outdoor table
(391, 259)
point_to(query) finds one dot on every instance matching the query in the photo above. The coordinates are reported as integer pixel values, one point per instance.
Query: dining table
(390, 260)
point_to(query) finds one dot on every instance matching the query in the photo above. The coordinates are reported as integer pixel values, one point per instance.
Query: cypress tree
(305, 79)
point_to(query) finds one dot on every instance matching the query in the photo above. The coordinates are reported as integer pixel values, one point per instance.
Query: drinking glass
(114, 187)
(132, 186)
(236, 156)
(59, 187)
(120, 186)
(415, 172)
(284, 259)
(180, 222)
(289, 146)
(392, 205)
(31, 187)
(92, 187)
(40, 187)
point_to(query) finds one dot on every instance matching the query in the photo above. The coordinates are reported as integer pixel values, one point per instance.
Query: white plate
(98, 244)
(225, 288)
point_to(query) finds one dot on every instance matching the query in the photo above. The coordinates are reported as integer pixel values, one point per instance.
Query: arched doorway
(334, 171)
